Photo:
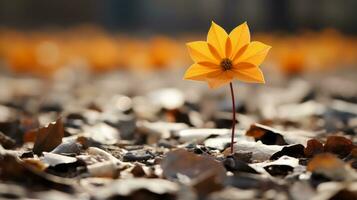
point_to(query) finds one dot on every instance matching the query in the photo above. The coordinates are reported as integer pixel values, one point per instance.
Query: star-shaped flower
(226, 57)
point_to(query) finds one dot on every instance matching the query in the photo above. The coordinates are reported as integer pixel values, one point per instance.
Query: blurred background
(41, 37)
(177, 16)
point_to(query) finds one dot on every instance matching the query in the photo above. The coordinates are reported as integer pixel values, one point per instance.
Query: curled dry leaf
(48, 138)
(313, 147)
(266, 134)
(338, 145)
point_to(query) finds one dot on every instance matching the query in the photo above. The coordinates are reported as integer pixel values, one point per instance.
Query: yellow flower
(226, 57)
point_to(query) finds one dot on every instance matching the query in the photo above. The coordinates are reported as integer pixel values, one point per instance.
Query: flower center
(226, 64)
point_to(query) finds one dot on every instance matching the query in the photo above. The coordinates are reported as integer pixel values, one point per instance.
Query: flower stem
(233, 117)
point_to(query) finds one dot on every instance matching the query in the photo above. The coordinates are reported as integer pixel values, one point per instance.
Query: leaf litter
(99, 142)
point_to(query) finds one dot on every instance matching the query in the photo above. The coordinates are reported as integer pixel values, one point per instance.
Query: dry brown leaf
(325, 161)
(295, 150)
(330, 166)
(29, 136)
(6, 141)
(338, 145)
(266, 134)
(191, 165)
(13, 169)
(48, 138)
(313, 147)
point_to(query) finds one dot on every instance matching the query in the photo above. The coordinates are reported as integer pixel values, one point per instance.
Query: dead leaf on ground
(206, 184)
(191, 165)
(6, 141)
(12, 169)
(48, 138)
(296, 151)
(266, 134)
(331, 166)
(236, 165)
(280, 167)
(313, 147)
(53, 159)
(338, 145)
(71, 147)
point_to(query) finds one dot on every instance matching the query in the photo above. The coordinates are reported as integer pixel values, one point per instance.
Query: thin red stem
(234, 116)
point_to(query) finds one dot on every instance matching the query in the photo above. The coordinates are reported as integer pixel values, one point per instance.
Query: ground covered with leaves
(154, 136)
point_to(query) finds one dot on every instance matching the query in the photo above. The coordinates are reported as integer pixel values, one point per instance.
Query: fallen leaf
(71, 147)
(206, 184)
(12, 169)
(313, 147)
(138, 171)
(249, 181)
(191, 165)
(48, 138)
(331, 166)
(338, 145)
(260, 151)
(53, 159)
(233, 164)
(266, 134)
(107, 168)
(296, 151)
(6, 141)
(281, 167)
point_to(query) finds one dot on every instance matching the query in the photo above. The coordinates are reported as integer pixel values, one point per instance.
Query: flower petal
(243, 66)
(217, 37)
(199, 52)
(201, 71)
(250, 75)
(228, 48)
(239, 37)
(223, 78)
(254, 54)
